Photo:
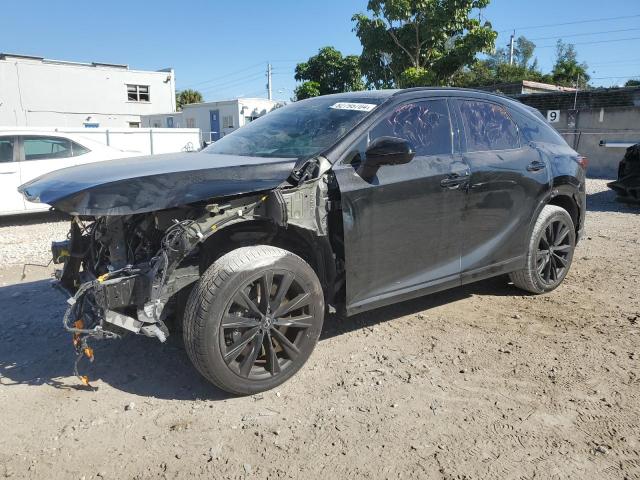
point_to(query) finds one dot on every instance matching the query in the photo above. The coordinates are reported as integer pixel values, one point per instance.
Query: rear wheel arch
(568, 203)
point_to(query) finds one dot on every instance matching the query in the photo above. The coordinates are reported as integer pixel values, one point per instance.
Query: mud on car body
(358, 200)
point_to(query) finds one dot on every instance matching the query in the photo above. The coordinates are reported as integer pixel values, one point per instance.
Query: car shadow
(35, 350)
(32, 219)
(339, 323)
(606, 201)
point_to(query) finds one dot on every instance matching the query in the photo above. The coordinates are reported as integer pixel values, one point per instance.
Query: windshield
(301, 129)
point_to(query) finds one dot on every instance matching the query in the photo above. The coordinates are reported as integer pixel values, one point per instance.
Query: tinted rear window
(535, 129)
(487, 126)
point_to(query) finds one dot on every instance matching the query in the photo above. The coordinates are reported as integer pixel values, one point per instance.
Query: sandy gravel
(479, 382)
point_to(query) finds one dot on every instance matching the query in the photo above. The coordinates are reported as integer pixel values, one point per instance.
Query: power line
(532, 27)
(234, 82)
(596, 42)
(613, 62)
(585, 34)
(231, 74)
(617, 76)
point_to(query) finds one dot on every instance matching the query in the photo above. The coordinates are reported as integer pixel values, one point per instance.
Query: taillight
(582, 161)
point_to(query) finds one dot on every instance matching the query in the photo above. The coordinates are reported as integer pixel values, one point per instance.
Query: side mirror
(388, 151)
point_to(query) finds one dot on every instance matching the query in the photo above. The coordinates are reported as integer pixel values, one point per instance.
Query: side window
(78, 149)
(534, 128)
(424, 124)
(45, 148)
(6, 149)
(487, 126)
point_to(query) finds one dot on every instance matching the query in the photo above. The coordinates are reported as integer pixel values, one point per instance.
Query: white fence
(146, 140)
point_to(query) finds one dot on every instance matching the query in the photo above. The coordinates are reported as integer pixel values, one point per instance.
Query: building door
(214, 116)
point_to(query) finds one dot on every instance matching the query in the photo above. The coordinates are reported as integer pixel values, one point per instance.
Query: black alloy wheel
(253, 319)
(549, 253)
(554, 250)
(264, 324)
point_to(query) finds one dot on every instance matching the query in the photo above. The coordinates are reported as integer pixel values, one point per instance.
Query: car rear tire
(549, 253)
(253, 319)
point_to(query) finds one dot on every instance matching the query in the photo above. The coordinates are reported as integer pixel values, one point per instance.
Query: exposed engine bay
(124, 272)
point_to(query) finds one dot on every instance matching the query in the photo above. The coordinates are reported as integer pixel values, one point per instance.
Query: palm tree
(185, 97)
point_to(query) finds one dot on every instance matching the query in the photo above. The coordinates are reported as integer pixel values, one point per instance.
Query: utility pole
(575, 99)
(512, 47)
(269, 95)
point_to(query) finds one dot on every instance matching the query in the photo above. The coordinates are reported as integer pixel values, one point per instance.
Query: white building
(214, 119)
(38, 92)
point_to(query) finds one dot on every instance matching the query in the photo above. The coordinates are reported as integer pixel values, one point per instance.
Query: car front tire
(253, 319)
(549, 253)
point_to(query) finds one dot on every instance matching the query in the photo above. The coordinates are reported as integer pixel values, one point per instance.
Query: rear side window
(425, 125)
(487, 126)
(78, 149)
(6, 149)
(534, 129)
(46, 148)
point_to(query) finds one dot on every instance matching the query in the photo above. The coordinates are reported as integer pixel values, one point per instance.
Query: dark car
(357, 200)
(627, 185)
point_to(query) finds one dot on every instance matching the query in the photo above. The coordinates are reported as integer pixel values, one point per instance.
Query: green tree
(632, 83)
(185, 97)
(523, 51)
(408, 42)
(328, 72)
(567, 71)
(496, 69)
(308, 89)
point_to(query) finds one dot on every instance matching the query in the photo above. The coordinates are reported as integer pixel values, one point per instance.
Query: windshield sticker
(359, 107)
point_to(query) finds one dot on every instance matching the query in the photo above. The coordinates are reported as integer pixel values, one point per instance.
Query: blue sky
(222, 48)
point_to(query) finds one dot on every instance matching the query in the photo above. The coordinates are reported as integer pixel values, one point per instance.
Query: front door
(214, 117)
(508, 180)
(11, 200)
(402, 227)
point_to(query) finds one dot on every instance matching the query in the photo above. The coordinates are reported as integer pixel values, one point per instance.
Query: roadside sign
(553, 116)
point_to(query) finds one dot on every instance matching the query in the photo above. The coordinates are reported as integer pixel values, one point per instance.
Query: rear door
(402, 228)
(10, 200)
(43, 154)
(508, 180)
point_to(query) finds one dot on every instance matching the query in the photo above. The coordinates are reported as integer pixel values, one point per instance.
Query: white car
(25, 155)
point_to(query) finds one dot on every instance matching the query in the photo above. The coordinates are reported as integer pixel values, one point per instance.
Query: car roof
(416, 91)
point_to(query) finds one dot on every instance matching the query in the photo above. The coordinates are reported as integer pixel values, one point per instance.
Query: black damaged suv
(359, 199)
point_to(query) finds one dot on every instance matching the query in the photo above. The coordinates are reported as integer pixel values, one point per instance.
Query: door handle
(453, 181)
(536, 165)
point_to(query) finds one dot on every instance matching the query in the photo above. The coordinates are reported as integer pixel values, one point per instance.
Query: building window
(138, 93)
(134, 124)
(191, 123)
(227, 121)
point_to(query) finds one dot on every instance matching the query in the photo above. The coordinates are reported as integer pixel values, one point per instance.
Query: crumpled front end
(123, 271)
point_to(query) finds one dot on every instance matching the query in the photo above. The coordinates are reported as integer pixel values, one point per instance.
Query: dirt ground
(480, 382)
